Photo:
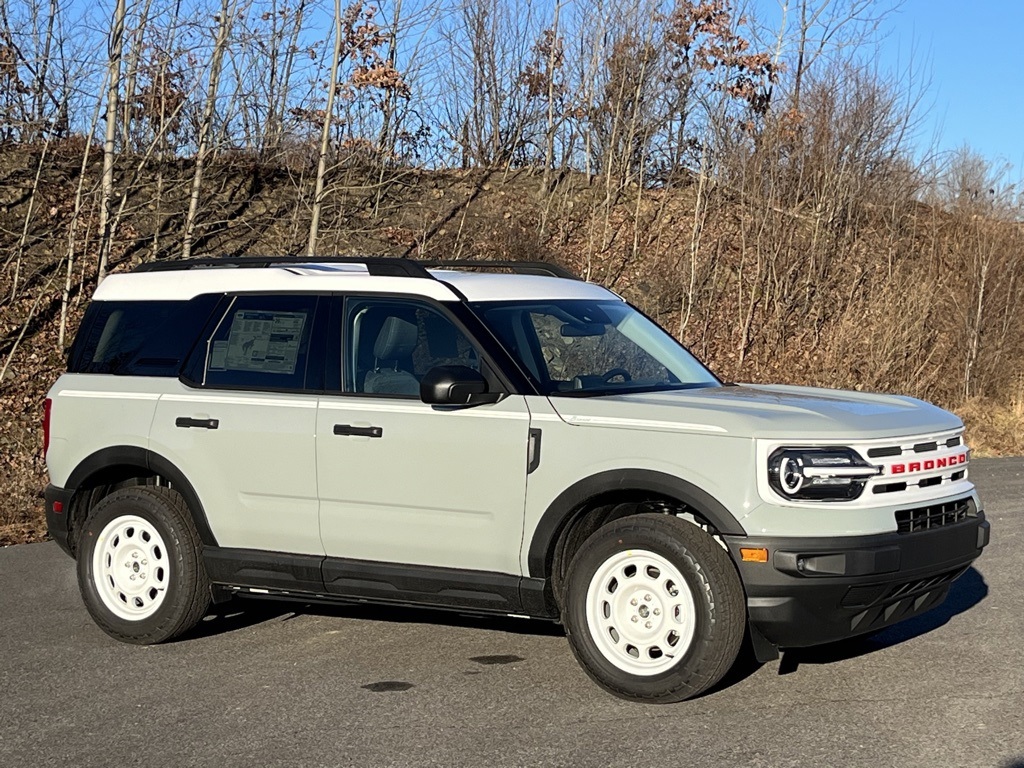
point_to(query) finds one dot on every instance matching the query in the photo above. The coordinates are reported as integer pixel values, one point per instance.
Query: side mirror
(455, 385)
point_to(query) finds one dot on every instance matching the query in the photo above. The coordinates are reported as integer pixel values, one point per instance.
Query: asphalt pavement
(267, 684)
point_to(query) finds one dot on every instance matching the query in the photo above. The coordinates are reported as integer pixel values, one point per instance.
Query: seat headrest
(397, 339)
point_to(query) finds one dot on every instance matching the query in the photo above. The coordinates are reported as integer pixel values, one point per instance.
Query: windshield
(586, 347)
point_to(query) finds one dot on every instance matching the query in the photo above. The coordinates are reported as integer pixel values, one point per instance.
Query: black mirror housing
(455, 385)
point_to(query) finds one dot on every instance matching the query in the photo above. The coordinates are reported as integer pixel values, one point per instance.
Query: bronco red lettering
(930, 464)
(940, 463)
(898, 469)
(915, 466)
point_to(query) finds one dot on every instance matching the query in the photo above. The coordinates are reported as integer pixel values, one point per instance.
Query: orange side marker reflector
(753, 555)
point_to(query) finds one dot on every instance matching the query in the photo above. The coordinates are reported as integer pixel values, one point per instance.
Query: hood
(748, 410)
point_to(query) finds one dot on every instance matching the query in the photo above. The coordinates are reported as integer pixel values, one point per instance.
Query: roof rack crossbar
(520, 267)
(386, 266)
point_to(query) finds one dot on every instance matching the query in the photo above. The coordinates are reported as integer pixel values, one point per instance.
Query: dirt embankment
(883, 300)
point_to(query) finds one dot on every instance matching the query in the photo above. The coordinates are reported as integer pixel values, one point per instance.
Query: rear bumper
(57, 522)
(818, 590)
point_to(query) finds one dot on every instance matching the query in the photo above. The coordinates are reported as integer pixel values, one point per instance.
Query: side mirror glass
(456, 385)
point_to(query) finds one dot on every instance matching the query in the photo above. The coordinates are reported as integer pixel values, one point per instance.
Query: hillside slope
(906, 299)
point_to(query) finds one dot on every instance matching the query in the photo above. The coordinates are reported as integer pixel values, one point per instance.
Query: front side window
(261, 342)
(391, 343)
(586, 347)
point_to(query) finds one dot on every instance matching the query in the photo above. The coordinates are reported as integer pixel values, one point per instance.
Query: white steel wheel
(640, 612)
(140, 566)
(131, 568)
(653, 608)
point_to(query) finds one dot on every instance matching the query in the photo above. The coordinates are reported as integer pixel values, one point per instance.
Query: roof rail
(386, 266)
(520, 267)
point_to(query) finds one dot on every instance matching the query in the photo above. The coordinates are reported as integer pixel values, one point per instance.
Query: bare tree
(114, 52)
(340, 23)
(224, 21)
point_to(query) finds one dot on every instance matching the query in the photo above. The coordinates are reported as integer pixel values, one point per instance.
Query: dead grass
(993, 429)
(23, 533)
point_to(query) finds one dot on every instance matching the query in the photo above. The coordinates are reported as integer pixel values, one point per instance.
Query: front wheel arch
(616, 486)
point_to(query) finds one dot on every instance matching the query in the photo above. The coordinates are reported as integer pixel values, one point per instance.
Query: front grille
(935, 516)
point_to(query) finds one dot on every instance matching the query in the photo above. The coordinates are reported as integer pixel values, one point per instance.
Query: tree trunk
(227, 10)
(113, 86)
(325, 135)
(131, 75)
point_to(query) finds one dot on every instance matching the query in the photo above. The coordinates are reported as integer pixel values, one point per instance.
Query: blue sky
(973, 54)
(966, 55)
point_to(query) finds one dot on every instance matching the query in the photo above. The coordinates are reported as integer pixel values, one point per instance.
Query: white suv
(518, 443)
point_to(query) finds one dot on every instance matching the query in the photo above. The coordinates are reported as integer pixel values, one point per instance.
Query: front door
(404, 482)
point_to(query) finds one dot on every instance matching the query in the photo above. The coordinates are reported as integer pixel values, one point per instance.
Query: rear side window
(261, 342)
(138, 338)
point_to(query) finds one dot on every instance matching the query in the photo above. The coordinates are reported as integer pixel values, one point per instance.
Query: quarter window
(139, 338)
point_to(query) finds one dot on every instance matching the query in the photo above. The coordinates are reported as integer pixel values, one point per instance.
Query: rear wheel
(655, 610)
(139, 566)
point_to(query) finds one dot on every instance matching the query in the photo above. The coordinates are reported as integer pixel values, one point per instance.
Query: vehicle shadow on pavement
(241, 613)
(236, 614)
(966, 592)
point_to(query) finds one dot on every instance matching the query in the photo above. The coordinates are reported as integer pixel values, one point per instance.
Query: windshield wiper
(631, 390)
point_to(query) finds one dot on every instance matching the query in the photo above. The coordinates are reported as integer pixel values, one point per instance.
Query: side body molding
(563, 508)
(130, 455)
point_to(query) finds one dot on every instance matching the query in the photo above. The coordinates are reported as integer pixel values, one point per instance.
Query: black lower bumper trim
(57, 522)
(818, 590)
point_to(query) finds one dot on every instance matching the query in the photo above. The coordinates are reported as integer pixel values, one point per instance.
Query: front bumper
(818, 590)
(57, 521)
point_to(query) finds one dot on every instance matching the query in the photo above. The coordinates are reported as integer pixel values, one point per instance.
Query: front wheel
(654, 609)
(139, 566)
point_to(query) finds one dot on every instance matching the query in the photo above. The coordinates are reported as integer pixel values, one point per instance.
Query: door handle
(350, 431)
(187, 422)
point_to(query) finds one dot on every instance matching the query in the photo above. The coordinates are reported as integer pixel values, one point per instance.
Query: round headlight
(819, 474)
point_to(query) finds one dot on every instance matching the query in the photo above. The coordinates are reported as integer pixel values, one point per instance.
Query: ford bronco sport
(516, 442)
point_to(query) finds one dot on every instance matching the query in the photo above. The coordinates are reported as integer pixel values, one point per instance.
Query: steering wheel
(612, 373)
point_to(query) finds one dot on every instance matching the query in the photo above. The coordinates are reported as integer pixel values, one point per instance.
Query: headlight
(819, 474)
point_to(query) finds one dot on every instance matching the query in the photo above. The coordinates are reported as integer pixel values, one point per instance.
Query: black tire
(717, 622)
(178, 566)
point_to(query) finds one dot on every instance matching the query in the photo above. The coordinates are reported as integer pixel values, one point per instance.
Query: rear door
(243, 431)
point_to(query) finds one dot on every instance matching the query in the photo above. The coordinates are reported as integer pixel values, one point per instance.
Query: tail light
(47, 405)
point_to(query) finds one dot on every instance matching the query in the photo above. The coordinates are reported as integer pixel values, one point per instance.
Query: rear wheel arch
(584, 507)
(124, 466)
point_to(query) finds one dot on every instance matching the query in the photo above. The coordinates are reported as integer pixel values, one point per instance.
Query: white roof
(475, 286)
(489, 286)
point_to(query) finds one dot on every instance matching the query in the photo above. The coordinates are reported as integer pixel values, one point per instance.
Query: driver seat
(395, 343)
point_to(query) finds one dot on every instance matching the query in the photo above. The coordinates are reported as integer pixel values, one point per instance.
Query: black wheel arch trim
(568, 503)
(136, 456)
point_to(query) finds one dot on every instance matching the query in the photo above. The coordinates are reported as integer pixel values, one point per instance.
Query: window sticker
(262, 341)
(218, 356)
